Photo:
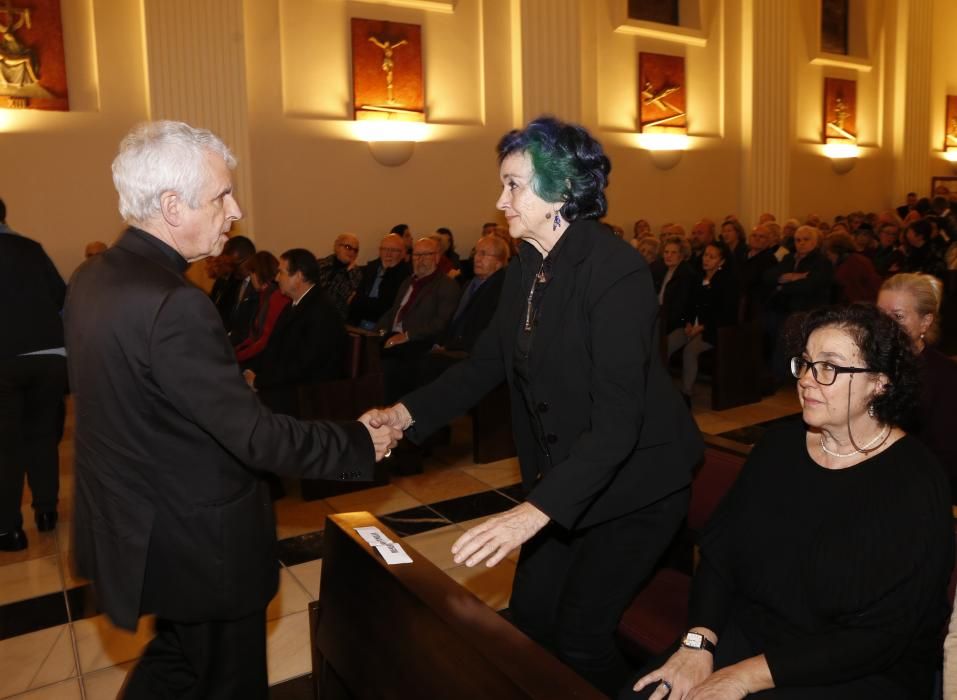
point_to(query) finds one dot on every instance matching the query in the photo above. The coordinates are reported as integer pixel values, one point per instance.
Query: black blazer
(33, 294)
(801, 295)
(463, 332)
(430, 311)
(619, 436)
(170, 516)
(677, 296)
(713, 305)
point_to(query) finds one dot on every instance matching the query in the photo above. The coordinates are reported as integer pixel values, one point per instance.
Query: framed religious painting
(32, 63)
(943, 187)
(840, 111)
(387, 70)
(950, 124)
(834, 19)
(661, 93)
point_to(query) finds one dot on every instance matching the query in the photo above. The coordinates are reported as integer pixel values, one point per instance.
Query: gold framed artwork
(943, 187)
(387, 70)
(32, 62)
(840, 111)
(950, 124)
(661, 93)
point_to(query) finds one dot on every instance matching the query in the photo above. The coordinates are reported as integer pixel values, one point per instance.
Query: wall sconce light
(951, 155)
(843, 156)
(391, 143)
(665, 149)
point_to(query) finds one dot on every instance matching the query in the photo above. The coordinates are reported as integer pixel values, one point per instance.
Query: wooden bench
(410, 631)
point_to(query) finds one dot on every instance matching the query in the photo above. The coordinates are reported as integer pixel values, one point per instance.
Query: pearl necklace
(881, 436)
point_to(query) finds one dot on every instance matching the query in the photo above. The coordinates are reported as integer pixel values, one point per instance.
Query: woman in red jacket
(262, 269)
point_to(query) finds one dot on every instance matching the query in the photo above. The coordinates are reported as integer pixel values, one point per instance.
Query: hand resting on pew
(498, 536)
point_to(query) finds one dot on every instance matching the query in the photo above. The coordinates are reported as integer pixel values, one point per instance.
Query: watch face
(693, 639)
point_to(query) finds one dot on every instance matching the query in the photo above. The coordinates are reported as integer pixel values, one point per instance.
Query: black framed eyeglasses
(824, 373)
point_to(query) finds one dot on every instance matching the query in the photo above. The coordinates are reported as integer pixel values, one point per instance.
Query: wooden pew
(410, 631)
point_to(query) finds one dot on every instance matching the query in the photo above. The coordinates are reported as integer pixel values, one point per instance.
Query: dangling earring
(557, 222)
(870, 410)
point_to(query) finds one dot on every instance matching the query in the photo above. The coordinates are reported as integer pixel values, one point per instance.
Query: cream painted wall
(55, 177)
(310, 178)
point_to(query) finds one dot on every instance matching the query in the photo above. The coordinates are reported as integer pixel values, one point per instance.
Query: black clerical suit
(171, 517)
(605, 443)
(307, 346)
(31, 385)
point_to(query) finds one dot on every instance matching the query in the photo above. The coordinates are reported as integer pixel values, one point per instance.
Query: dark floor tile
(516, 492)
(300, 549)
(476, 505)
(294, 689)
(33, 614)
(81, 602)
(414, 520)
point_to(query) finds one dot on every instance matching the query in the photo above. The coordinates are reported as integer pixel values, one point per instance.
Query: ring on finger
(388, 453)
(666, 684)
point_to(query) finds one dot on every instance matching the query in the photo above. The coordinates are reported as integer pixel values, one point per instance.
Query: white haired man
(172, 517)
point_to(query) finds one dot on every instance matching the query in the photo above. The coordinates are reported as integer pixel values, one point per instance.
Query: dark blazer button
(543, 407)
(552, 439)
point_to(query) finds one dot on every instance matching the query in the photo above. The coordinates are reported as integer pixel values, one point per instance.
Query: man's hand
(384, 437)
(791, 277)
(250, 378)
(396, 339)
(396, 416)
(499, 535)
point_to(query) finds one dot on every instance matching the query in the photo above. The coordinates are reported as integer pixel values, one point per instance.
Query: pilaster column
(912, 97)
(767, 122)
(551, 59)
(196, 66)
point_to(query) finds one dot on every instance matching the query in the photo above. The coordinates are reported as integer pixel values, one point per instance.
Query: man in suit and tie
(172, 517)
(308, 344)
(380, 283)
(422, 309)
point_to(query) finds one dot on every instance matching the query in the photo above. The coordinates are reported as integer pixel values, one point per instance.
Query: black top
(678, 291)
(34, 293)
(834, 574)
(938, 410)
(713, 304)
(805, 294)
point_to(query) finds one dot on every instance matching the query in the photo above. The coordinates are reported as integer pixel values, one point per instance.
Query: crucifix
(387, 63)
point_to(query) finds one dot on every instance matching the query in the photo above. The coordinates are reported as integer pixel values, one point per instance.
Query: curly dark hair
(569, 165)
(885, 348)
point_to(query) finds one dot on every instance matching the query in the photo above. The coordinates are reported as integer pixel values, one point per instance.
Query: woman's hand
(720, 685)
(683, 671)
(499, 535)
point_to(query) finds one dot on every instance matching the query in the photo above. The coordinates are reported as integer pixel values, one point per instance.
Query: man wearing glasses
(423, 306)
(339, 273)
(380, 283)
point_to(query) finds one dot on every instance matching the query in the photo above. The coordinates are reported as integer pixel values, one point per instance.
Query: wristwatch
(694, 640)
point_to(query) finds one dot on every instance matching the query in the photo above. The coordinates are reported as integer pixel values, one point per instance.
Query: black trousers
(571, 589)
(31, 424)
(220, 660)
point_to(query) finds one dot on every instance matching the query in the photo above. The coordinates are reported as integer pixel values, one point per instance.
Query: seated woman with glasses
(824, 572)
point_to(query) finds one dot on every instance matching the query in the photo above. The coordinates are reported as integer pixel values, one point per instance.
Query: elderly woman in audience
(800, 282)
(641, 229)
(823, 573)
(855, 278)
(648, 248)
(675, 286)
(604, 442)
(262, 269)
(712, 304)
(913, 300)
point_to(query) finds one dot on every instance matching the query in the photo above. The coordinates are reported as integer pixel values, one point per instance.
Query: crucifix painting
(387, 70)
(32, 65)
(661, 95)
(950, 125)
(840, 111)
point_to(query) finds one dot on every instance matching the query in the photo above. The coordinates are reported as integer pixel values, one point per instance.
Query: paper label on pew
(373, 535)
(393, 553)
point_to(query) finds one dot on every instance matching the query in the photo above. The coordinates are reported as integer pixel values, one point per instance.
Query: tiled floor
(54, 643)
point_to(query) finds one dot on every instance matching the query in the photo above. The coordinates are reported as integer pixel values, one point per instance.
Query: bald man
(380, 283)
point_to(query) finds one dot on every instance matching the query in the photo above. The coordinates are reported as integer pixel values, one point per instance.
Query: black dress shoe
(46, 521)
(13, 541)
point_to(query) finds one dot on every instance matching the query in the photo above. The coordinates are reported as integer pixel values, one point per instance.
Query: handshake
(386, 427)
